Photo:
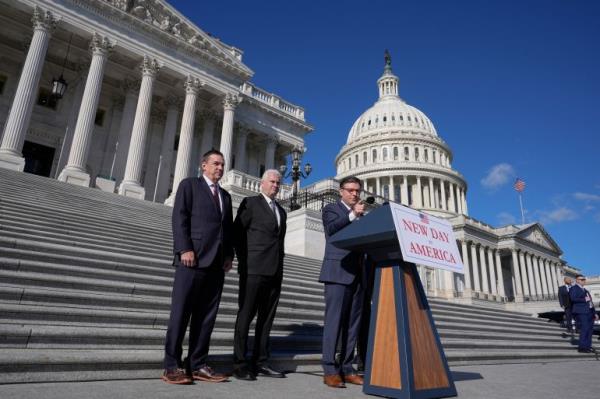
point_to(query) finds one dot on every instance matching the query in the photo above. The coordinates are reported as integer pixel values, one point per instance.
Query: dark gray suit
(199, 226)
(342, 274)
(259, 244)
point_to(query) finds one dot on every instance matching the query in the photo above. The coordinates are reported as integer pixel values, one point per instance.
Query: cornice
(393, 139)
(410, 169)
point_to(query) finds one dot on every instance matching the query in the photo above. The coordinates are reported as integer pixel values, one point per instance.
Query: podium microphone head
(370, 200)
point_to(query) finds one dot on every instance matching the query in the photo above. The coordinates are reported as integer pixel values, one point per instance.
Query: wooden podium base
(405, 358)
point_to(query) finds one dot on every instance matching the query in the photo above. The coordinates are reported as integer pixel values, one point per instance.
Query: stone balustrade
(272, 100)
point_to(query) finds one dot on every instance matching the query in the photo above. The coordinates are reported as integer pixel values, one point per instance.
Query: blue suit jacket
(339, 265)
(579, 305)
(197, 224)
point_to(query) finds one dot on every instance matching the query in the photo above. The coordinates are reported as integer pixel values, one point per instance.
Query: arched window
(434, 157)
(385, 153)
(425, 155)
(364, 158)
(395, 153)
(374, 155)
(349, 162)
(406, 154)
(416, 154)
(356, 159)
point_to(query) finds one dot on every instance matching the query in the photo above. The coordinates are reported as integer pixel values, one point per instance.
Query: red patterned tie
(215, 195)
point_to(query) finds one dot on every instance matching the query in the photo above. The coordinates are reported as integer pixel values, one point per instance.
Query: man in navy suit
(342, 275)
(565, 302)
(203, 251)
(259, 231)
(585, 314)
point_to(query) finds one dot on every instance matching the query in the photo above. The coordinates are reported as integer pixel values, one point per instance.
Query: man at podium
(341, 274)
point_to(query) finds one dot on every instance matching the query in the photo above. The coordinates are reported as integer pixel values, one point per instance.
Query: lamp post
(295, 174)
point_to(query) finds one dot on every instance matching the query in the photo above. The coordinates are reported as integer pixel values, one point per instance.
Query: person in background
(565, 302)
(585, 314)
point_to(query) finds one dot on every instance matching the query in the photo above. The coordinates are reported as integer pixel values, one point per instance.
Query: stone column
(452, 198)
(501, 290)
(240, 151)
(378, 186)
(517, 276)
(467, 271)
(75, 171)
(230, 102)
(490, 259)
(19, 116)
(559, 274)
(392, 189)
(67, 140)
(419, 201)
(431, 194)
(458, 200)
(464, 202)
(131, 185)
(443, 195)
(554, 278)
(536, 272)
(476, 285)
(131, 89)
(530, 276)
(186, 137)
(168, 142)
(270, 152)
(542, 263)
(524, 278)
(484, 274)
(404, 188)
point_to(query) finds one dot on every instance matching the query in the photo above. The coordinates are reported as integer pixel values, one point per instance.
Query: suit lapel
(208, 192)
(266, 208)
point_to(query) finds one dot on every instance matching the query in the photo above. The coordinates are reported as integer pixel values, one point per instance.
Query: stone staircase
(85, 282)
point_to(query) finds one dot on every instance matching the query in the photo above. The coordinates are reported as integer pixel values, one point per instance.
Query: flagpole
(522, 213)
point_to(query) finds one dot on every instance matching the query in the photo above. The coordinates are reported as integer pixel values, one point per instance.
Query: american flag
(519, 184)
(423, 217)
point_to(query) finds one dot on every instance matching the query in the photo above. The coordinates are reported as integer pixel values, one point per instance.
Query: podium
(405, 358)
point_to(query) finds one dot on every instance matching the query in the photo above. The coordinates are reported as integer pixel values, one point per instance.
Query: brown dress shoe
(177, 376)
(208, 374)
(354, 379)
(334, 381)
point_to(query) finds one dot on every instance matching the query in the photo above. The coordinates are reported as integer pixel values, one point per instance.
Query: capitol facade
(147, 92)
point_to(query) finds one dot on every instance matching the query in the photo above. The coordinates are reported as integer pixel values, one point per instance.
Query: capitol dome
(395, 149)
(390, 112)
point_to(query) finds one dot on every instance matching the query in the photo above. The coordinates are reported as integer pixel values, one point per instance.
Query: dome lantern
(388, 82)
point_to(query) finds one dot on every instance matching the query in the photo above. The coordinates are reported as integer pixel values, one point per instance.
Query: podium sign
(425, 239)
(405, 358)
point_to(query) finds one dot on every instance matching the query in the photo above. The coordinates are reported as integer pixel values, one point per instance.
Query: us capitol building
(395, 150)
(124, 96)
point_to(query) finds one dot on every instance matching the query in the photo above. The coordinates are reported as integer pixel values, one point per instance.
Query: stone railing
(271, 99)
(251, 183)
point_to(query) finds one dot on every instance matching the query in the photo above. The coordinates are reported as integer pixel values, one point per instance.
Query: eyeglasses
(580, 278)
(352, 190)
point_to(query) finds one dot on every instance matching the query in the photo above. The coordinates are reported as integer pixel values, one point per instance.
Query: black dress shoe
(586, 350)
(267, 371)
(242, 373)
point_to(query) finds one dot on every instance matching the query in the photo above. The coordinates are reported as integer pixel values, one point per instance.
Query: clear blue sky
(512, 86)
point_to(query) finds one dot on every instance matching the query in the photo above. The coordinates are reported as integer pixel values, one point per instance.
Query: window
(261, 170)
(386, 191)
(364, 158)
(385, 153)
(233, 162)
(356, 159)
(384, 119)
(3, 79)
(46, 99)
(434, 157)
(374, 155)
(416, 154)
(397, 193)
(99, 119)
(425, 155)
(395, 153)
(406, 154)
(401, 117)
(350, 163)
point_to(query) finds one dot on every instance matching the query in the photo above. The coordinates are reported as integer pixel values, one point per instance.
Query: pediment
(165, 17)
(536, 234)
